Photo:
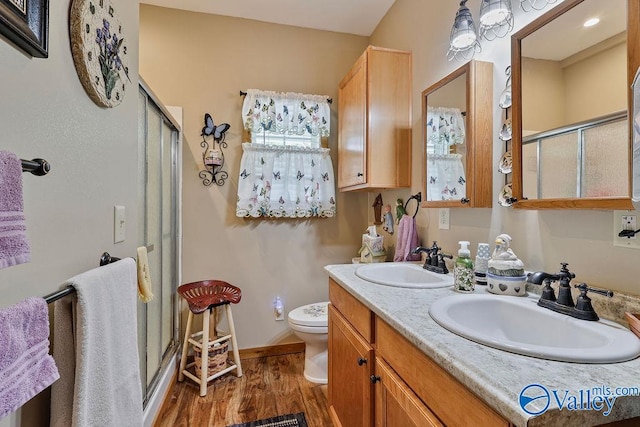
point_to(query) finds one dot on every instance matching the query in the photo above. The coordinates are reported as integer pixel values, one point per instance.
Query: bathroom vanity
(391, 364)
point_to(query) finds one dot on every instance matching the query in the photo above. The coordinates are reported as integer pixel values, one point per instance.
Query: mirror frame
(633, 61)
(478, 138)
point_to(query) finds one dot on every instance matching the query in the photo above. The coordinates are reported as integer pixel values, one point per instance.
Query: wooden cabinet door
(396, 405)
(352, 126)
(389, 113)
(350, 369)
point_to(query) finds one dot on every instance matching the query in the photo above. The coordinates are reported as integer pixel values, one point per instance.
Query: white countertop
(496, 376)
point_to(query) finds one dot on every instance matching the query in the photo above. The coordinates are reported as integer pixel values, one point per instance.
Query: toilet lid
(310, 315)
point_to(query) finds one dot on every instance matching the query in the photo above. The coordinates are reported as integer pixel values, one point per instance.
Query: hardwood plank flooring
(270, 386)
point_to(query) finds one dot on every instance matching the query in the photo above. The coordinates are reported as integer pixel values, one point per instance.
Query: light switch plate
(119, 224)
(625, 220)
(443, 219)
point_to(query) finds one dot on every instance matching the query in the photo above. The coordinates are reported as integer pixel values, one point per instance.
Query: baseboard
(156, 402)
(272, 350)
(334, 417)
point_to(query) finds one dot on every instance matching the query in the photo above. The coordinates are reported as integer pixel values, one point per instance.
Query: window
(284, 171)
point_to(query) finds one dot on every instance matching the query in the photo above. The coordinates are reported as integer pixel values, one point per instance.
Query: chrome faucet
(564, 304)
(435, 259)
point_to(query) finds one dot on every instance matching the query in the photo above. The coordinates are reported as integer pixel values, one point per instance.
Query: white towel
(100, 385)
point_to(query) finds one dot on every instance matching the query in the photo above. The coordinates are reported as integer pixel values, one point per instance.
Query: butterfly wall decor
(213, 156)
(210, 129)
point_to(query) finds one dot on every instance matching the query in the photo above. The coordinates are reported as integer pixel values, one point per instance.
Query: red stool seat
(202, 296)
(209, 293)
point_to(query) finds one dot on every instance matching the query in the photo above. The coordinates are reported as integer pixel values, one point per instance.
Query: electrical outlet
(443, 219)
(625, 220)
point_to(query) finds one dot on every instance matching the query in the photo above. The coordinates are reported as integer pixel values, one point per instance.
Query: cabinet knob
(361, 361)
(359, 174)
(464, 200)
(374, 379)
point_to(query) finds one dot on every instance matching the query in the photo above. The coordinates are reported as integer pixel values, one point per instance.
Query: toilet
(310, 323)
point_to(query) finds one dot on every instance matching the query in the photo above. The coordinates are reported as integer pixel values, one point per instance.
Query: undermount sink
(519, 325)
(403, 275)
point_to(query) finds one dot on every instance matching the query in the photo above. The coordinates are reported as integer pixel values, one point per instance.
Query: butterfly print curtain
(445, 127)
(285, 182)
(286, 113)
(445, 174)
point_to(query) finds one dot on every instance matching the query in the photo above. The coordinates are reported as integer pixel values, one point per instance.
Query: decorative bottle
(482, 264)
(463, 269)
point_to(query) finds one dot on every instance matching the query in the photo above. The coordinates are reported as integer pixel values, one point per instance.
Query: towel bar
(55, 296)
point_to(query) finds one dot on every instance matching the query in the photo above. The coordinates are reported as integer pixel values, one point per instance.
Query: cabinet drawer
(396, 404)
(449, 399)
(358, 315)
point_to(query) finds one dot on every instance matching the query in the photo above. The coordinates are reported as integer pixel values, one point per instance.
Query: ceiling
(345, 16)
(565, 36)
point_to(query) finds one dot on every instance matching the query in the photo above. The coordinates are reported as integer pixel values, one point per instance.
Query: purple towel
(407, 240)
(26, 367)
(14, 246)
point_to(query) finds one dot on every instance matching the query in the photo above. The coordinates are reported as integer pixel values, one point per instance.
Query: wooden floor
(269, 386)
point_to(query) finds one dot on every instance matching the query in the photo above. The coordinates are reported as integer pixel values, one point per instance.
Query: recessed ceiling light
(591, 22)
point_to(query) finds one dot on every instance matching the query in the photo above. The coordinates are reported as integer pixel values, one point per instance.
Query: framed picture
(26, 24)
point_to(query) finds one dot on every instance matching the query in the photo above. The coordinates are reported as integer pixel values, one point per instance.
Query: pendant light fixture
(529, 5)
(496, 19)
(463, 41)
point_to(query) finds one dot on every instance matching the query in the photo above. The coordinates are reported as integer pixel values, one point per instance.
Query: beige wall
(596, 85)
(541, 238)
(201, 62)
(543, 90)
(557, 94)
(45, 112)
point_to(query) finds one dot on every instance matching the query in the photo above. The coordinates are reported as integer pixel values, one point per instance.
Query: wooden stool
(203, 297)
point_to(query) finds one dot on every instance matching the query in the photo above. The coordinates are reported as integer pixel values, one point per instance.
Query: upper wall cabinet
(374, 122)
(457, 125)
(571, 96)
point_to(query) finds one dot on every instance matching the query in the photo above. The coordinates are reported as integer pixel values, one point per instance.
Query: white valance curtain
(288, 180)
(286, 113)
(285, 182)
(445, 127)
(447, 181)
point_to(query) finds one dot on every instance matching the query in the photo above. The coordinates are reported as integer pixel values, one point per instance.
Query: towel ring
(418, 198)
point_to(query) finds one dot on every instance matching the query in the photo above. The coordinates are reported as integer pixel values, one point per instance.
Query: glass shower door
(157, 225)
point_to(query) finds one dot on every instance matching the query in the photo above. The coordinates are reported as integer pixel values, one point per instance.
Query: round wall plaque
(99, 49)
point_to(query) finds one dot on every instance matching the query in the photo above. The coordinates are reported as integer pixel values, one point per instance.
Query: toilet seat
(310, 316)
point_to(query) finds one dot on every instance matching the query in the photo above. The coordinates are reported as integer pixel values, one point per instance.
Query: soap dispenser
(463, 269)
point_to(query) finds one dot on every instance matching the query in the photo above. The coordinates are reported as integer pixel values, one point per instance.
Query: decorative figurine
(377, 210)
(400, 210)
(388, 220)
(506, 272)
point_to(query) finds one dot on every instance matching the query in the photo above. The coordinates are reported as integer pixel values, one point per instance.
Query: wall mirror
(571, 94)
(456, 124)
